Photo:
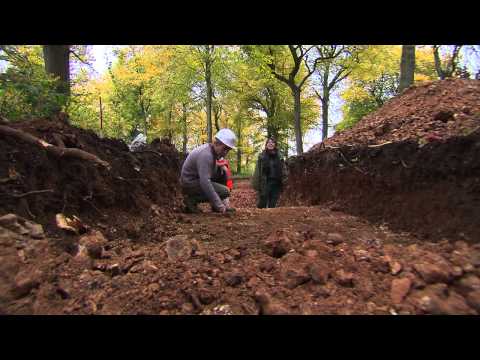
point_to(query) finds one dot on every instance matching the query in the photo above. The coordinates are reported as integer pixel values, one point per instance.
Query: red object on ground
(224, 162)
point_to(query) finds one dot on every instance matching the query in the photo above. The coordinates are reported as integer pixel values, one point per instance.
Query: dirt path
(302, 260)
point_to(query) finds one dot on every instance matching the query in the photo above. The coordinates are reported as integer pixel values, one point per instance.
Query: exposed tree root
(35, 192)
(52, 149)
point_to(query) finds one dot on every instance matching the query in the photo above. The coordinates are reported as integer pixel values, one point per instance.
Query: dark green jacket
(259, 179)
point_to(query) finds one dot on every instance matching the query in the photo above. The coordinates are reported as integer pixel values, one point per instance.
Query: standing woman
(268, 177)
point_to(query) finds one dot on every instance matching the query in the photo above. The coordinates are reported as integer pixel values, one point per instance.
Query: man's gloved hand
(221, 209)
(225, 210)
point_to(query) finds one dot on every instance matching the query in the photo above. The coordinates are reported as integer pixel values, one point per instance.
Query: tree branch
(338, 77)
(80, 59)
(318, 94)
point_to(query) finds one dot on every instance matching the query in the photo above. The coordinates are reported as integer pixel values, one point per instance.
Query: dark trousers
(195, 193)
(268, 197)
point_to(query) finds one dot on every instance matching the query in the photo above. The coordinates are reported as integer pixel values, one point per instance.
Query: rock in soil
(400, 289)
(344, 278)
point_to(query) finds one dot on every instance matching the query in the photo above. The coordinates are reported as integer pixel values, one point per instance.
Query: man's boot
(190, 205)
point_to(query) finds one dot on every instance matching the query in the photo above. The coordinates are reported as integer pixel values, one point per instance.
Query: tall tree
(331, 72)
(57, 63)
(264, 95)
(407, 67)
(207, 53)
(451, 61)
(299, 54)
(26, 90)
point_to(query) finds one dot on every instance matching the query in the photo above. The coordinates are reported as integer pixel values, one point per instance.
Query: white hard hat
(227, 137)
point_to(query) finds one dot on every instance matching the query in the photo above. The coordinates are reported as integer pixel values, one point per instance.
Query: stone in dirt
(344, 278)
(319, 274)
(335, 238)
(475, 258)
(268, 306)
(26, 281)
(206, 296)
(468, 283)
(361, 255)
(395, 267)
(295, 277)
(198, 249)
(399, 289)
(277, 244)
(93, 243)
(473, 299)
(440, 290)
(454, 304)
(366, 289)
(234, 278)
(253, 282)
(311, 253)
(22, 226)
(457, 272)
(267, 266)
(178, 248)
(432, 273)
(381, 264)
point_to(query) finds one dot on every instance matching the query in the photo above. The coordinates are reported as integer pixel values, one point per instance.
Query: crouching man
(198, 170)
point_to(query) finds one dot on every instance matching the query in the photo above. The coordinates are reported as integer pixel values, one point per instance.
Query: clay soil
(414, 164)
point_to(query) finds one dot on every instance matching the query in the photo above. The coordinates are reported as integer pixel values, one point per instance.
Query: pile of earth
(430, 111)
(408, 164)
(36, 184)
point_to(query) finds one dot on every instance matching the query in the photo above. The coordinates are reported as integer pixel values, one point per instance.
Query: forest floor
(132, 251)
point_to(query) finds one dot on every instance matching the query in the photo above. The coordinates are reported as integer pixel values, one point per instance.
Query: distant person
(268, 176)
(139, 140)
(200, 168)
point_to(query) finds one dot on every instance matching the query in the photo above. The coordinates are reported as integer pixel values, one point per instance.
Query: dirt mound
(37, 185)
(425, 185)
(428, 112)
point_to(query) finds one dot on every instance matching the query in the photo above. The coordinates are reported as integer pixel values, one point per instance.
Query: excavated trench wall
(78, 187)
(432, 190)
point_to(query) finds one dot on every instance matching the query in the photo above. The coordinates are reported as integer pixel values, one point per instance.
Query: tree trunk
(407, 67)
(325, 105)
(298, 126)
(184, 121)
(438, 63)
(169, 126)
(239, 160)
(239, 145)
(144, 118)
(57, 63)
(215, 114)
(208, 80)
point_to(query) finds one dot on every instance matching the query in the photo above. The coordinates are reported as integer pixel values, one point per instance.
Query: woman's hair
(273, 140)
